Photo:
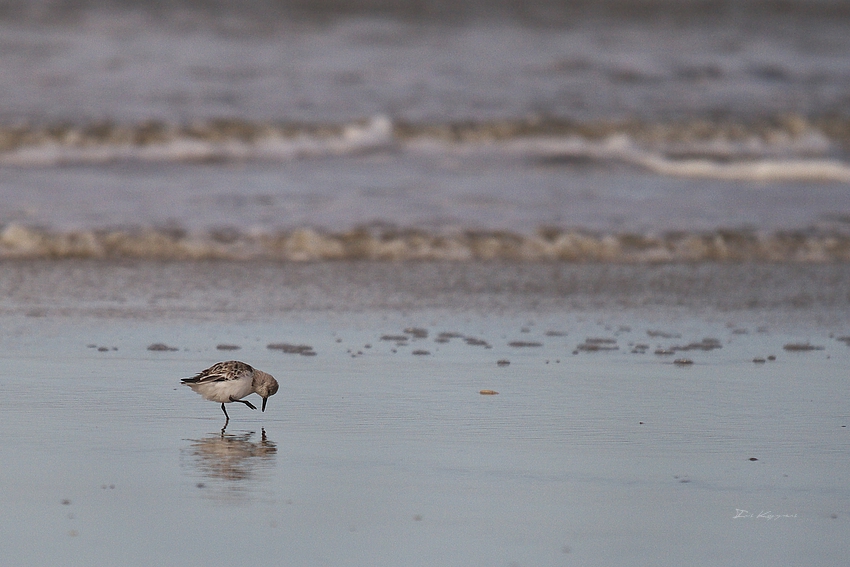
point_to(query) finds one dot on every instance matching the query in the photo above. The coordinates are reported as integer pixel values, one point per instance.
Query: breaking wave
(20, 242)
(787, 148)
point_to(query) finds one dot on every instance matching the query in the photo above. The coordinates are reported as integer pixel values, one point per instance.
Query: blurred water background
(636, 130)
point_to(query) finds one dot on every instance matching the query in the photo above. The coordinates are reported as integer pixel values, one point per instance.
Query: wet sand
(595, 450)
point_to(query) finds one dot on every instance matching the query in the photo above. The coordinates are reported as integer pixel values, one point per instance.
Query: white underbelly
(222, 392)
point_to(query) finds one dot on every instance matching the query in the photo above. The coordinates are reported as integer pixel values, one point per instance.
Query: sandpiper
(231, 381)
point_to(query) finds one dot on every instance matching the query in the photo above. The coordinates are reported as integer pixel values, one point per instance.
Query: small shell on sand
(488, 392)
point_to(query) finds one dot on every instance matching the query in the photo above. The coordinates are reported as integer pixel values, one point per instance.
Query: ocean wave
(21, 242)
(788, 148)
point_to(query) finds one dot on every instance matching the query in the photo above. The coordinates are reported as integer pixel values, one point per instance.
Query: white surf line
(620, 148)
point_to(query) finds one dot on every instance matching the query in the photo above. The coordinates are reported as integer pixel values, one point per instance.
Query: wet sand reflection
(233, 463)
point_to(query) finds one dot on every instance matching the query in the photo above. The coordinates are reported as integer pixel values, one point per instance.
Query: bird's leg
(247, 403)
(226, 419)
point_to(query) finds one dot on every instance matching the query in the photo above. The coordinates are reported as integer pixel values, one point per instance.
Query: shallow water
(372, 457)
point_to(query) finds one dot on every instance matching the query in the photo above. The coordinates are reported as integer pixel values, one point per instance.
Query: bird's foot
(246, 402)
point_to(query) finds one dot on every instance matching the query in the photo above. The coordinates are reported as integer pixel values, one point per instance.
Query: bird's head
(265, 385)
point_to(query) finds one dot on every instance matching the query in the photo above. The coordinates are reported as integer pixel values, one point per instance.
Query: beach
(542, 283)
(380, 448)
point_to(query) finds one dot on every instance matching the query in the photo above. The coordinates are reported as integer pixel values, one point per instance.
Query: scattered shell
(488, 392)
(683, 361)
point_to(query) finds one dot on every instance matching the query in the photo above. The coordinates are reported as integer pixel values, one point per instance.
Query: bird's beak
(264, 403)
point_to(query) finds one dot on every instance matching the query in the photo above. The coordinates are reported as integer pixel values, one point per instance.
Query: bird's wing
(221, 372)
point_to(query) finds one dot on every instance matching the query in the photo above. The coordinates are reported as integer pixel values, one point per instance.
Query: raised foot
(247, 403)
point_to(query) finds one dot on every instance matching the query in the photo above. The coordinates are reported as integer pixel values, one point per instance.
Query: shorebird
(231, 381)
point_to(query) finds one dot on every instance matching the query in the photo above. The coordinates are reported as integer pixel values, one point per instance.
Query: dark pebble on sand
(450, 335)
(801, 347)
(228, 347)
(596, 347)
(759, 360)
(289, 348)
(524, 344)
(683, 361)
(600, 341)
(396, 338)
(161, 347)
(663, 335)
(503, 362)
(707, 344)
(753, 459)
(771, 358)
(417, 332)
(421, 352)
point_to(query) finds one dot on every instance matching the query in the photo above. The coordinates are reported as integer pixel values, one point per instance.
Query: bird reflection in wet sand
(234, 458)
